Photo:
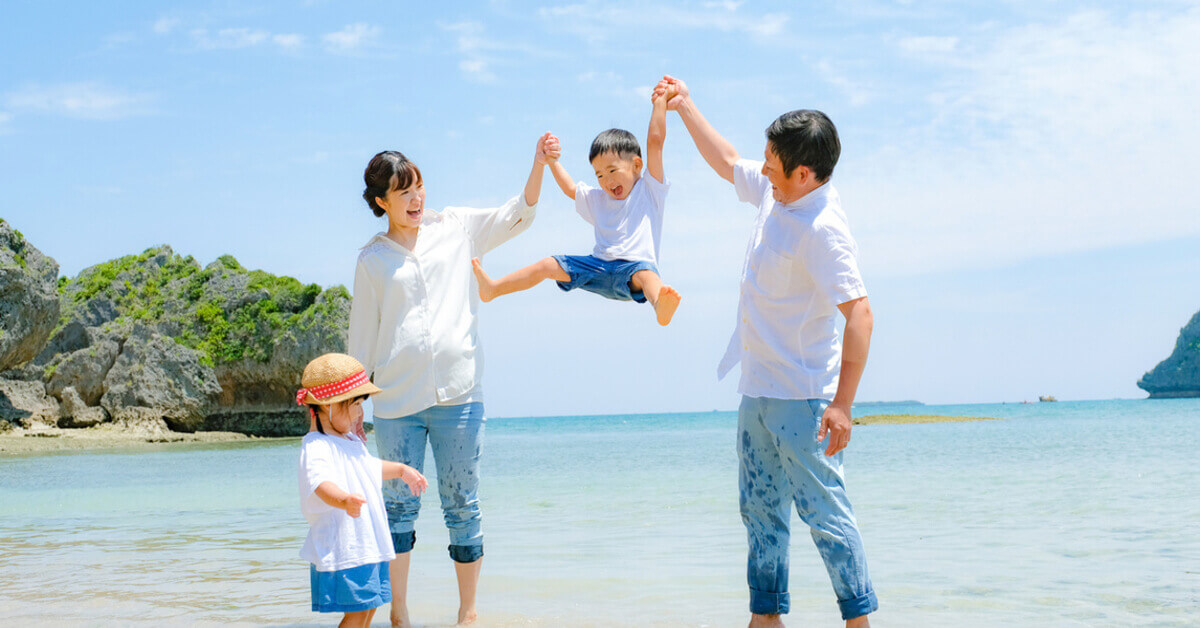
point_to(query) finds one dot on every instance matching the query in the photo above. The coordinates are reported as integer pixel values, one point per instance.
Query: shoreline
(907, 419)
(108, 438)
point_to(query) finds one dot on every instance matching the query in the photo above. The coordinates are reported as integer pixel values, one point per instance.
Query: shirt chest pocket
(771, 272)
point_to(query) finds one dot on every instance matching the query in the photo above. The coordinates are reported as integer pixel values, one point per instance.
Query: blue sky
(1018, 174)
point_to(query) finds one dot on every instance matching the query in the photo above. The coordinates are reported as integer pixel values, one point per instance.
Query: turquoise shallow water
(1071, 513)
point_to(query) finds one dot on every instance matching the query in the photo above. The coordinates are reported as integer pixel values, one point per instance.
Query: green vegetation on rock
(224, 311)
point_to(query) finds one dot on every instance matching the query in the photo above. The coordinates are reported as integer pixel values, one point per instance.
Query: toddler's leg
(664, 298)
(523, 279)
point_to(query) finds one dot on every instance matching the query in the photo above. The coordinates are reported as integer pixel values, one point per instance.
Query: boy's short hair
(805, 137)
(618, 141)
(379, 174)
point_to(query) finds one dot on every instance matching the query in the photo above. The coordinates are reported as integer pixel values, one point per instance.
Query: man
(798, 376)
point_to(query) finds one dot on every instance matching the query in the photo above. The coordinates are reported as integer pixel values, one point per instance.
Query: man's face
(785, 189)
(617, 174)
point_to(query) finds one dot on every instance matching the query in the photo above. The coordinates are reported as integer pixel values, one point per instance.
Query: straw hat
(333, 377)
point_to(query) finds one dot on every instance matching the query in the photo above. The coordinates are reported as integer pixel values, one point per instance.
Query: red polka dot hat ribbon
(333, 389)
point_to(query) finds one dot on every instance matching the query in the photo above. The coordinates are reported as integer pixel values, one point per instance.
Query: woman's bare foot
(399, 617)
(766, 621)
(664, 308)
(487, 287)
(466, 616)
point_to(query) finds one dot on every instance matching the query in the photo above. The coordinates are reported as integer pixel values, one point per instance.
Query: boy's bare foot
(668, 300)
(466, 616)
(487, 287)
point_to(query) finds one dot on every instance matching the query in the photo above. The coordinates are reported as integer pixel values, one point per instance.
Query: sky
(1018, 175)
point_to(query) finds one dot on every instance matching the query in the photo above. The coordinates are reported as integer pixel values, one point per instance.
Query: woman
(413, 324)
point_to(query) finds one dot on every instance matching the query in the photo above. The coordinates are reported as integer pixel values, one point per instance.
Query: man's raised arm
(716, 150)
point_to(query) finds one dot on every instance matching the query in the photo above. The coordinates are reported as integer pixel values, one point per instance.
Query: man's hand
(353, 504)
(835, 422)
(674, 89)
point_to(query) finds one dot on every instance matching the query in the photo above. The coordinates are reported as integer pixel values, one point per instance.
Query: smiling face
(404, 207)
(617, 174)
(787, 189)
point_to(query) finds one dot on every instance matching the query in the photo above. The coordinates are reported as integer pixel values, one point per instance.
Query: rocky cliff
(157, 342)
(28, 299)
(1179, 374)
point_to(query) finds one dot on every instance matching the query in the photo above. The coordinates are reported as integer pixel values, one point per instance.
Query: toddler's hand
(415, 481)
(353, 504)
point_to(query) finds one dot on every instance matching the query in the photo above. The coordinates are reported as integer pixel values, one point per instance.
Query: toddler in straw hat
(349, 544)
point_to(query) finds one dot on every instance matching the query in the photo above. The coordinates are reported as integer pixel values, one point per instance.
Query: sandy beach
(106, 437)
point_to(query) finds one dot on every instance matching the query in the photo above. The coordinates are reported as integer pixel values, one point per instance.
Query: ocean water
(1061, 514)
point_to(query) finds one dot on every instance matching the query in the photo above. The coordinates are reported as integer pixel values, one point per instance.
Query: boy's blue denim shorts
(350, 590)
(609, 279)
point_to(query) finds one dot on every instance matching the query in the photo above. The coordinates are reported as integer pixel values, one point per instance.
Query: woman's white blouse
(413, 321)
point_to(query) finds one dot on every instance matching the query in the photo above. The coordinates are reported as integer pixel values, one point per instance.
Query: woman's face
(405, 207)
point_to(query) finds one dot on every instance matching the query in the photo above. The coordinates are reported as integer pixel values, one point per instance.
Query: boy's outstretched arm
(410, 476)
(564, 180)
(533, 186)
(716, 150)
(333, 495)
(657, 135)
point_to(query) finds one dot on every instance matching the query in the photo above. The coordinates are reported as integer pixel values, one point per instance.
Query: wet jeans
(456, 435)
(781, 463)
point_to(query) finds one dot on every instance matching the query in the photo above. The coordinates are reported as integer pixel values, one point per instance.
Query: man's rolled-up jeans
(781, 463)
(455, 433)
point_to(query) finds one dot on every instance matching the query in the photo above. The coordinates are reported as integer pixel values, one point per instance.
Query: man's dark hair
(805, 137)
(379, 173)
(618, 141)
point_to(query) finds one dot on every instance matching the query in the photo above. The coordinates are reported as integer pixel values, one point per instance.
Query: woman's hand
(547, 149)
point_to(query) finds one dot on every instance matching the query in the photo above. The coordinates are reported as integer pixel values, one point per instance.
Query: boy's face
(617, 174)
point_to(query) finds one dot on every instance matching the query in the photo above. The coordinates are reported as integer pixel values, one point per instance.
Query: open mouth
(415, 214)
(617, 191)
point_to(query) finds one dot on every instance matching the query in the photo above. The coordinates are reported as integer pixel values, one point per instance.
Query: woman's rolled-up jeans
(456, 435)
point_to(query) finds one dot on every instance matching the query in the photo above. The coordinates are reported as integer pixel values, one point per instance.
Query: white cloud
(164, 25)
(290, 41)
(352, 38)
(474, 47)
(596, 20)
(5, 118)
(1049, 139)
(87, 100)
(229, 38)
(928, 44)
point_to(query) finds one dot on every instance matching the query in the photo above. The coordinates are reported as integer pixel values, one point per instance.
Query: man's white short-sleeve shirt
(627, 229)
(801, 263)
(335, 539)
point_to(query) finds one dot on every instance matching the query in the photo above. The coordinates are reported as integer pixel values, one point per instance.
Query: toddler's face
(617, 174)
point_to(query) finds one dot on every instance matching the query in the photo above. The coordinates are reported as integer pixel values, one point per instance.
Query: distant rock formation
(1179, 374)
(156, 342)
(28, 297)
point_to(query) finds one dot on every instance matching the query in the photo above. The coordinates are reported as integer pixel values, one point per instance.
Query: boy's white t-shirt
(335, 539)
(628, 229)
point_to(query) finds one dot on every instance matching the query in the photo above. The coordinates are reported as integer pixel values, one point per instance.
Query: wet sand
(106, 437)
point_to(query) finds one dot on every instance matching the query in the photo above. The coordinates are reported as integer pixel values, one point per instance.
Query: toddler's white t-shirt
(335, 539)
(628, 229)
